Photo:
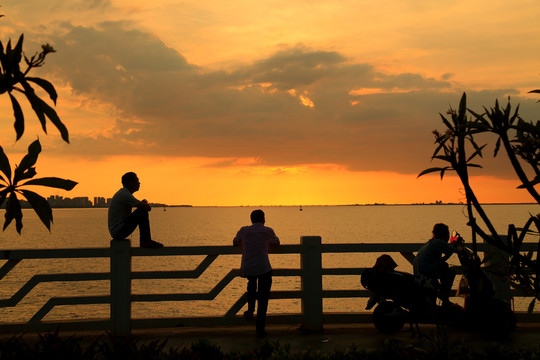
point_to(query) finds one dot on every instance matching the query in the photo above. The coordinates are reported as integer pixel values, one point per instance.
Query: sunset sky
(271, 102)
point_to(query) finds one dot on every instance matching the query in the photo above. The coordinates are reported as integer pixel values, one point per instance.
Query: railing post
(311, 263)
(121, 287)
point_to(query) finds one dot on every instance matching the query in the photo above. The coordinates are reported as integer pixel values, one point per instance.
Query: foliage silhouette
(14, 80)
(24, 173)
(520, 139)
(88, 347)
(11, 76)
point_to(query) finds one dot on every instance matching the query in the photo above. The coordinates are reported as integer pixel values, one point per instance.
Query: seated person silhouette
(122, 221)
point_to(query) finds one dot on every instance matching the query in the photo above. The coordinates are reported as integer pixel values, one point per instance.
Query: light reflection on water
(76, 228)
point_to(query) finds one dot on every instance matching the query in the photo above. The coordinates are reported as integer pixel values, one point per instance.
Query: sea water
(200, 226)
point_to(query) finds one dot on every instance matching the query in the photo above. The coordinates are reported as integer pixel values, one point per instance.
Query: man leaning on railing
(255, 241)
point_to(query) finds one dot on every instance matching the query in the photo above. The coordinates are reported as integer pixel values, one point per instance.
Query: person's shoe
(262, 334)
(248, 315)
(151, 244)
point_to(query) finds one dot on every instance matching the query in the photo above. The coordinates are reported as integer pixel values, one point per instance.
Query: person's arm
(143, 204)
(273, 240)
(128, 198)
(237, 241)
(447, 250)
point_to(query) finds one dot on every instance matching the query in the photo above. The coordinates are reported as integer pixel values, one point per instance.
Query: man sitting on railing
(255, 241)
(122, 222)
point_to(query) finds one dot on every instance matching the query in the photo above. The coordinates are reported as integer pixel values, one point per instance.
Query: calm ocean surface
(197, 226)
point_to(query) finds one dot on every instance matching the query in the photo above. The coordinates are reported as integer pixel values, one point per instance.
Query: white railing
(311, 295)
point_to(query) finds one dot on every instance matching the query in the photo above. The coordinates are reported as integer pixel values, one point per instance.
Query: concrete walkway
(333, 337)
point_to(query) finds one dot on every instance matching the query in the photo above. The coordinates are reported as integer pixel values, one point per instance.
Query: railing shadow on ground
(311, 272)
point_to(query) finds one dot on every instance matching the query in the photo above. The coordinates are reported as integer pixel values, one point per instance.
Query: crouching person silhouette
(255, 241)
(430, 267)
(122, 221)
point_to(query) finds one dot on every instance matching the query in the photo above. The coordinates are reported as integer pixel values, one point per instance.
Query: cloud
(297, 106)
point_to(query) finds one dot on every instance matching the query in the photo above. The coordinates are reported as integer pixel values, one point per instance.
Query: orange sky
(279, 102)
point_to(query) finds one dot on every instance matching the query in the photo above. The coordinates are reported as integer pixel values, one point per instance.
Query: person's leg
(446, 277)
(251, 296)
(265, 285)
(127, 229)
(140, 216)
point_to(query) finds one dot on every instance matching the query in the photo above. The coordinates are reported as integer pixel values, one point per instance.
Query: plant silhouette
(520, 140)
(13, 81)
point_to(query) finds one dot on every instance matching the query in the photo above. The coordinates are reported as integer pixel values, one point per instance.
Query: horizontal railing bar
(73, 277)
(217, 250)
(403, 247)
(186, 250)
(41, 278)
(186, 274)
(171, 297)
(164, 274)
(358, 271)
(286, 294)
(55, 253)
(183, 274)
(207, 250)
(334, 294)
(286, 272)
(193, 296)
(343, 271)
(397, 247)
(281, 294)
(366, 247)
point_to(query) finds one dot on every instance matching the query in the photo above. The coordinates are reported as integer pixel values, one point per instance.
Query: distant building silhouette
(101, 201)
(56, 201)
(60, 202)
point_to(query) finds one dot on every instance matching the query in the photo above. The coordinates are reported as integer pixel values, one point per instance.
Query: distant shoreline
(25, 205)
(360, 205)
(303, 206)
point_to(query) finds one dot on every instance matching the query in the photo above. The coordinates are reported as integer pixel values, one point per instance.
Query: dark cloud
(170, 107)
(293, 67)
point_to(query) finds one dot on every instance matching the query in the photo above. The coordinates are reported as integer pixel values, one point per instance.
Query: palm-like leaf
(431, 170)
(45, 85)
(25, 173)
(41, 206)
(537, 91)
(5, 167)
(477, 152)
(19, 116)
(13, 211)
(25, 169)
(53, 182)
